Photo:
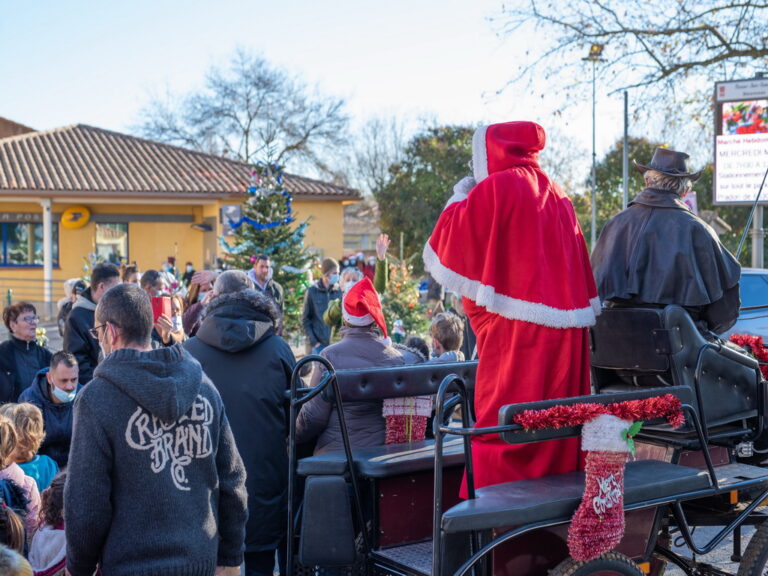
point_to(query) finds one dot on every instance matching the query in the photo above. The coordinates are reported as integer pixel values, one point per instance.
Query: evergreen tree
(265, 227)
(401, 300)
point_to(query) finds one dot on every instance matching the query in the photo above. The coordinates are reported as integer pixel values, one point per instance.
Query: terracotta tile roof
(88, 161)
(11, 128)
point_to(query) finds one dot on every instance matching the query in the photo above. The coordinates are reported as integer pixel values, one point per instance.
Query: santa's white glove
(461, 190)
(464, 185)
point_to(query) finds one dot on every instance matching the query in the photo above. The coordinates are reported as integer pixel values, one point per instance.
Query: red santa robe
(512, 247)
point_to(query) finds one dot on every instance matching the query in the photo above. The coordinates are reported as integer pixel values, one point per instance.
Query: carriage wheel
(755, 557)
(609, 564)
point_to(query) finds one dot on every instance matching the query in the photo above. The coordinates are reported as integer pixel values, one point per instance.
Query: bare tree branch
(670, 58)
(252, 111)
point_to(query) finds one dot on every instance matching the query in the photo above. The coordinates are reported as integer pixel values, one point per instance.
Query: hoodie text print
(175, 442)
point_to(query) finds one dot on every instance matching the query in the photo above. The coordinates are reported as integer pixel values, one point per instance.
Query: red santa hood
(501, 146)
(513, 243)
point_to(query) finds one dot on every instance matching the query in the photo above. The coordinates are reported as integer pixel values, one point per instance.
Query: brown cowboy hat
(670, 163)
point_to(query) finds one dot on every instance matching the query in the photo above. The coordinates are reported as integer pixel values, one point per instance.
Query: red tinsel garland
(753, 344)
(666, 406)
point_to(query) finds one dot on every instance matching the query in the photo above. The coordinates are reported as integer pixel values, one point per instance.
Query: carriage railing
(399, 381)
(455, 386)
(300, 395)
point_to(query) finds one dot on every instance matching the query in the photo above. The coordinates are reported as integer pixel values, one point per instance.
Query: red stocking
(598, 525)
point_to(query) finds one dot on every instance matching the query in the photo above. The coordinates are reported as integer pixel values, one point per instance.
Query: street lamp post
(595, 51)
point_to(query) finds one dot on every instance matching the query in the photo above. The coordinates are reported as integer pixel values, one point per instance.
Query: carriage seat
(384, 461)
(556, 497)
(639, 347)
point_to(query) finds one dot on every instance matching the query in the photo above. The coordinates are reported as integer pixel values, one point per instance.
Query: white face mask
(177, 325)
(62, 395)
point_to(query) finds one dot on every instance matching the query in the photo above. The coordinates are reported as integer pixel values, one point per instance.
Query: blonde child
(13, 563)
(48, 552)
(9, 470)
(11, 530)
(27, 419)
(447, 332)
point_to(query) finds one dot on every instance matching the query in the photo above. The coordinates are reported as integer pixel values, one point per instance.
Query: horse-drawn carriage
(395, 509)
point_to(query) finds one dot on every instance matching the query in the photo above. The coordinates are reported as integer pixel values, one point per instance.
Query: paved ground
(720, 557)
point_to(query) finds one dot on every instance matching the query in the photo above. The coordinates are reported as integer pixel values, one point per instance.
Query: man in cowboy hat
(657, 252)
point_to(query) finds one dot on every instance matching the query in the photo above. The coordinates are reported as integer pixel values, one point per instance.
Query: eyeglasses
(95, 330)
(30, 319)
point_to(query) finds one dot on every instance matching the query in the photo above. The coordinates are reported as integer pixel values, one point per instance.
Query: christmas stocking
(598, 524)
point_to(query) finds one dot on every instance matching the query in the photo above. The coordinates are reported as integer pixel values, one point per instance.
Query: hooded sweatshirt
(251, 368)
(155, 485)
(57, 418)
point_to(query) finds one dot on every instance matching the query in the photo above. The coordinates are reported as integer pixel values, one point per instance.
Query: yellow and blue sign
(75, 217)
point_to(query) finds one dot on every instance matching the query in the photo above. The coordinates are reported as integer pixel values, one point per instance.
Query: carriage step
(409, 559)
(738, 473)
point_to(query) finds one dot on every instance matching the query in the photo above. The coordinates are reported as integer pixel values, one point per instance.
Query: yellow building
(74, 191)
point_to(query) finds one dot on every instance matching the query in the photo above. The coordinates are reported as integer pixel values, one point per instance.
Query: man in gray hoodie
(155, 484)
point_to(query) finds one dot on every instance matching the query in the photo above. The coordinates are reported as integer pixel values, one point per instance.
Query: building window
(112, 242)
(23, 243)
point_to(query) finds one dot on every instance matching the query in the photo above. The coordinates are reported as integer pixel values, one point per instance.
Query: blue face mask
(333, 278)
(62, 396)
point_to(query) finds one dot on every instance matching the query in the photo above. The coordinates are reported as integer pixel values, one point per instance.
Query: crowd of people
(146, 416)
(155, 441)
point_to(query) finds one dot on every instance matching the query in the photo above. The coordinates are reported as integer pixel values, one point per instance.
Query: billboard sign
(741, 140)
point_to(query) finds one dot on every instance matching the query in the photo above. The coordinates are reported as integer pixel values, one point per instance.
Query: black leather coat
(658, 252)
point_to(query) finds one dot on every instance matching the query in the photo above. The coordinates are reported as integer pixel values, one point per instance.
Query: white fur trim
(356, 320)
(480, 154)
(507, 306)
(387, 341)
(605, 433)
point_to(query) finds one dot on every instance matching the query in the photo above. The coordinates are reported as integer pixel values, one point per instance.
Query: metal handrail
(300, 395)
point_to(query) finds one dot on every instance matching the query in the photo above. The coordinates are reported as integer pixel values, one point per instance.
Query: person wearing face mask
(200, 291)
(20, 356)
(316, 301)
(189, 271)
(54, 391)
(163, 333)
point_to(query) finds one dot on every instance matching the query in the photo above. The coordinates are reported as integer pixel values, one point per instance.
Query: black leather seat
(384, 461)
(557, 497)
(636, 347)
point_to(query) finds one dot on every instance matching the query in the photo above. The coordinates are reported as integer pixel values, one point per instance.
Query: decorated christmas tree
(266, 227)
(401, 300)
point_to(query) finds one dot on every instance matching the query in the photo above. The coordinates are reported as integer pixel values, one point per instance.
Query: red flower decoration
(754, 344)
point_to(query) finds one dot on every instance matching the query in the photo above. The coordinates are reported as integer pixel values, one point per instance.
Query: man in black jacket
(657, 252)
(251, 368)
(77, 337)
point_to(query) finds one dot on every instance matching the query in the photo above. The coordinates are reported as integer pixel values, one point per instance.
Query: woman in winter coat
(361, 346)
(21, 358)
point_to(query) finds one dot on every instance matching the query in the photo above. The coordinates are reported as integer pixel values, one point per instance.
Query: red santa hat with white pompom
(361, 307)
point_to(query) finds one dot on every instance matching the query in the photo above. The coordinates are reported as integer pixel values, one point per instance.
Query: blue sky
(78, 61)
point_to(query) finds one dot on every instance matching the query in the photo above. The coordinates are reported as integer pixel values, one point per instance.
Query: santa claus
(508, 241)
